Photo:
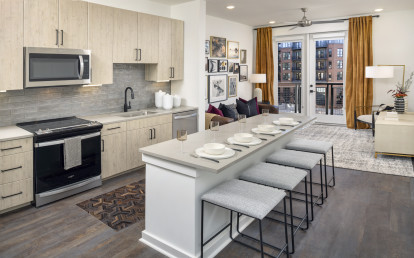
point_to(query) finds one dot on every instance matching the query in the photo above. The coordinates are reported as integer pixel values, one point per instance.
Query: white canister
(177, 101)
(167, 101)
(158, 98)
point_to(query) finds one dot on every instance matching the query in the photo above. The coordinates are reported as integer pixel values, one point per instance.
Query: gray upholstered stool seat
(274, 175)
(250, 199)
(297, 159)
(309, 146)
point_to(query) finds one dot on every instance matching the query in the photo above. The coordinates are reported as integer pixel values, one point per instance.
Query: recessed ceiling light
(272, 22)
(230, 7)
(378, 10)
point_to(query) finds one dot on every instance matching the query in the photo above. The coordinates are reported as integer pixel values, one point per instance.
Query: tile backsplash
(53, 102)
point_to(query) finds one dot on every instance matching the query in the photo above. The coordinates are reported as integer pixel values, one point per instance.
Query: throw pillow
(248, 109)
(255, 99)
(213, 110)
(228, 111)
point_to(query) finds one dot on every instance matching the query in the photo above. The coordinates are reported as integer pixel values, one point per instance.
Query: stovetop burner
(59, 125)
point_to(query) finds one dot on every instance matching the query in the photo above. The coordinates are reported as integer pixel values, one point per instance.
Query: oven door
(49, 163)
(54, 67)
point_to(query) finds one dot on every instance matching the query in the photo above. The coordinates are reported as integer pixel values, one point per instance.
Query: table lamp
(379, 72)
(258, 78)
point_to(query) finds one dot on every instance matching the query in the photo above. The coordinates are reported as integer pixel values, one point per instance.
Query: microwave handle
(81, 67)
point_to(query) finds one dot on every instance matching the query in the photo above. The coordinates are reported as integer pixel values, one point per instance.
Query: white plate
(255, 141)
(257, 130)
(228, 153)
(278, 123)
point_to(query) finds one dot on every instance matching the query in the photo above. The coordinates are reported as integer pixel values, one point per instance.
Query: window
(330, 76)
(330, 52)
(320, 65)
(286, 66)
(339, 64)
(286, 55)
(286, 76)
(298, 76)
(298, 66)
(320, 54)
(330, 64)
(339, 52)
(339, 76)
(320, 76)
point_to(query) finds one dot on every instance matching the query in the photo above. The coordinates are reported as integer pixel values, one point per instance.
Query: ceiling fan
(305, 22)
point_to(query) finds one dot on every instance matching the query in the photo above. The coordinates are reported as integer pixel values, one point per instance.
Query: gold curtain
(264, 62)
(359, 90)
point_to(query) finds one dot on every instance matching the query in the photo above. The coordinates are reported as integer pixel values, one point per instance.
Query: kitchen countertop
(117, 117)
(168, 150)
(13, 132)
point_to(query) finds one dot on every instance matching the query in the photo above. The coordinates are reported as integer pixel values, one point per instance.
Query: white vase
(158, 98)
(177, 101)
(167, 101)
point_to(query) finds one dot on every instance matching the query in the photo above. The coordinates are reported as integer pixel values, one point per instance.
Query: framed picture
(232, 86)
(243, 73)
(217, 88)
(207, 47)
(206, 64)
(243, 56)
(217, 47)
(232, 50)
(231, 67)
(206, 89)
(222, 65)
(236, 68)
(212, 65)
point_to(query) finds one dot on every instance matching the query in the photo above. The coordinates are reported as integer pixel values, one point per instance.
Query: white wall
(393, 39)
(234, 32)
(191, 89)
(143, 6)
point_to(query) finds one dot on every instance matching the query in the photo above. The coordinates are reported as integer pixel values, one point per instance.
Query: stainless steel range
(53, 180)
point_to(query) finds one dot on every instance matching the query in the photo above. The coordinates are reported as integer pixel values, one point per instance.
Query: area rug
(354, 149)
(119, 208)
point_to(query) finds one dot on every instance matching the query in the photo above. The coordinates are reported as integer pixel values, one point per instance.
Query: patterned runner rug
(354, 149)
(119, 208)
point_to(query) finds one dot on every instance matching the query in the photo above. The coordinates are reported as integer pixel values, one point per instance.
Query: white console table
(395, 137)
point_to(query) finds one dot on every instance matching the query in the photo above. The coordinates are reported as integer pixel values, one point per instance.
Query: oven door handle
(57, 142)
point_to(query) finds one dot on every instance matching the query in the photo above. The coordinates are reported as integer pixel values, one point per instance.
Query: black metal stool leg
(291, 222)
(202, 227)
(333, 167)
(320, 171)
(286, 234)
(311, 192)
(261, 238)
(326, 177)
(306, 203)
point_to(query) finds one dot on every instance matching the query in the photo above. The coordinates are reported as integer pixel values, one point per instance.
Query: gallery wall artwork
(212, 65)
(243, 73)
(243, 56)
(207, 47)
(217, 47)
(222, 65)
(217, 88)
(232, 50)
(232, 86)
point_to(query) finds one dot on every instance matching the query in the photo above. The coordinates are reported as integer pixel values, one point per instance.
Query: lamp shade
(379, 72)
(258, 78)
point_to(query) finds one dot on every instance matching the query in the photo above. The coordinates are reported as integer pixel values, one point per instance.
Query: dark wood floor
(366, 215)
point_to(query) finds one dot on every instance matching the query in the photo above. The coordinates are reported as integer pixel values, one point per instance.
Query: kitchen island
(175, 183)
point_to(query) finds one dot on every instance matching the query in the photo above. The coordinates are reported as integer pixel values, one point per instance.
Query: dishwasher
(187, 120)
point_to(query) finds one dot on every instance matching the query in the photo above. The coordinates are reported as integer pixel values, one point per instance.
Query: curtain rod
(295, 24)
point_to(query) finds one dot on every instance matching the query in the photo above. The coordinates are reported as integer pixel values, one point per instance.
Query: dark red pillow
(257, 105)
(213, 110)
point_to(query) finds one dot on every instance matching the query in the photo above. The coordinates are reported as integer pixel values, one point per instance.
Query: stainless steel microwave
(46, 67)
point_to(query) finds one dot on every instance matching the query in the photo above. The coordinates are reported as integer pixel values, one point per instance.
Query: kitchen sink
(138, 113)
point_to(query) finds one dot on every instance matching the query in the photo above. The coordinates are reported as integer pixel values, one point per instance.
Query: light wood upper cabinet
(100, 42)
(11, 45)
(113, 154)
(177, 49)
(170, 64)
(41, 23)
(125, 36)
(73, 24)
(147, 38)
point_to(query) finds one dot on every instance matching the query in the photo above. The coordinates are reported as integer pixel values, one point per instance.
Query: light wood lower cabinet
(113, 154)
(16, 193)
(16, 167)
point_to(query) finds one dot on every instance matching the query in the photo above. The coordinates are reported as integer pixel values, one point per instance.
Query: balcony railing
(329, 98)
(289, 97)
(296, 58)
(322, 43)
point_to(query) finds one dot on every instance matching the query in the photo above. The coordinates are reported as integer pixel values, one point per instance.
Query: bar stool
(249, 199)
(319, 147)
(300, 160)
(282, 177)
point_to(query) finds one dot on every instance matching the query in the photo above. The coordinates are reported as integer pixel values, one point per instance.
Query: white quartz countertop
(119, 117)
(170, 150)
(8, 133)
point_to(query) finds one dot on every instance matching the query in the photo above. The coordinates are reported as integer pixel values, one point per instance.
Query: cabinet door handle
(173, 72)
(154, 133)
(113, 128)
(11, 169)
(12, 148)
(57, 37)
(103, 145)
(140, 55)
(150, 134)
(136, 55)
(62, 38)
(7, 196)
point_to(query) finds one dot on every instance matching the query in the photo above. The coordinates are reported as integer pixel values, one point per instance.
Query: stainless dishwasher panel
(185, 121)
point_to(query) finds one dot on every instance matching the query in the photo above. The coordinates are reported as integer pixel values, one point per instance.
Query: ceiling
(260, 12)
(170, 2)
